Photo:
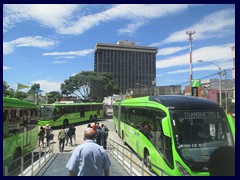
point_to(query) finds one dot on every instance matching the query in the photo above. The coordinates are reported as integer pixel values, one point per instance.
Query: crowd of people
(101, 133)
(67, 135)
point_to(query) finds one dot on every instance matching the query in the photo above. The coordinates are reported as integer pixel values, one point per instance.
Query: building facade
(130, 65)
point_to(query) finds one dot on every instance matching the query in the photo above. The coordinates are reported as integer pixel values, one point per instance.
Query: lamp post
(220, 80)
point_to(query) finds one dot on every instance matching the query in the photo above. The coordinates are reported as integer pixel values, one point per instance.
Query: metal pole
(220, 86)
(226, 93)
(190, 33)
(220, 80)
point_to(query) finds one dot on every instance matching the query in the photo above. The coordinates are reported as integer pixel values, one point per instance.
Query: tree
(89, 85)
(20, 95)
(7, 91)
(33, 88)
(52, 96)
(10, 92)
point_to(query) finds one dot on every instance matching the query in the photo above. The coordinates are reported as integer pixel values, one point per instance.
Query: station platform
(56, 166)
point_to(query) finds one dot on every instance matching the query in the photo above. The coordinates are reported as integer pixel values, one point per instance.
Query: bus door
(26, 132)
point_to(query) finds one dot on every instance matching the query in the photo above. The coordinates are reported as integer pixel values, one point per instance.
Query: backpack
(62, 134)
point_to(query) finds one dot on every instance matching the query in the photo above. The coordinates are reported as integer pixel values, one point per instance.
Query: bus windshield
(46, 113)
(198, 133)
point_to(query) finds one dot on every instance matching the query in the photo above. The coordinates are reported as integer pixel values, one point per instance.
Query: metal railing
(133, 164)
(30, 163)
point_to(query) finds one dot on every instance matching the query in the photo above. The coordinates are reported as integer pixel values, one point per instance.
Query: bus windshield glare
(198, 133)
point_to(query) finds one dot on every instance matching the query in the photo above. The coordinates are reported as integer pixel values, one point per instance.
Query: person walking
(41, 135)
(48, 131)
(69, 134)
(104, 135)
(98, 135)
(89, 159)
(74, 133)
(94, 126)
(61, 138)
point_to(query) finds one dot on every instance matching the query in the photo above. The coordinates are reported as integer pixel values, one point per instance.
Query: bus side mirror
(165, 127)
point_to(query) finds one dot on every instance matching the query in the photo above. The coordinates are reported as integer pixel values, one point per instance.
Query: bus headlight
(182, 170)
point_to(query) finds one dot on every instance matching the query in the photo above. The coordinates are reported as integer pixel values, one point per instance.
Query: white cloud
(48, 86)
(5, 68)
(59, 62)
(136, 13)
(51, 15)
(131, 28)
(217, 24)
(218, 54)
(69, 19)
(37, 41)
(171, 50)
(84, 52)
(65, 57)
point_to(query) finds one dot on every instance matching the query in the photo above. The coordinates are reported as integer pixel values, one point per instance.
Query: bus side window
(5, 123)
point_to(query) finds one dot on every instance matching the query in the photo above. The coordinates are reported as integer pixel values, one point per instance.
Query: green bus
(62, 114)
(20, 130)
(173, 132)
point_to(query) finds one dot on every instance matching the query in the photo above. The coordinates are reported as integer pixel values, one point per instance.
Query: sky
(48, 43)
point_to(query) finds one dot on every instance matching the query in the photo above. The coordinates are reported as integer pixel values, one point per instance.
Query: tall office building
(132, 66)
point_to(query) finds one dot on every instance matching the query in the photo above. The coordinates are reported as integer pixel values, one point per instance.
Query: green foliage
(90, 86)
(53, 96)
(33, 88)
(9, 92)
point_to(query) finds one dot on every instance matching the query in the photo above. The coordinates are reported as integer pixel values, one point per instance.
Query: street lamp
(220, 80)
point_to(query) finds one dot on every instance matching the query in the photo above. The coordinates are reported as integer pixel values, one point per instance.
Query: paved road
(56, 166)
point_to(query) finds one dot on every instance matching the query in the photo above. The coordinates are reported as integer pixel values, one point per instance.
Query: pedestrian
(104, 135)
(74, 133)
(98, 135)
(69, 135)
(61, 138)
(41, 135)
(222, 161)
(89, 159)
(48, 131)
(94, 126)
(89, 126)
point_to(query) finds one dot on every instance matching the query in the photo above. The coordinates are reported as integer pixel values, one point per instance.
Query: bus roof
(72, 104)
(183, 102)
(13, 102)
(176, 102)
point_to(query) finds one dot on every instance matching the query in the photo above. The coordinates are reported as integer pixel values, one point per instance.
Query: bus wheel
(91, 118)
(65, 122)
(123, 139)
(147, 161)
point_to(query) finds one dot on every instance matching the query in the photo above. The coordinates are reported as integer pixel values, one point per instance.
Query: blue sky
(48, 43)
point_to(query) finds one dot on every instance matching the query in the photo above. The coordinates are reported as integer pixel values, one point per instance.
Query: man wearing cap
(89, 159)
